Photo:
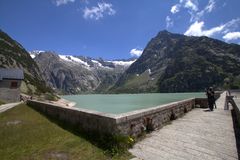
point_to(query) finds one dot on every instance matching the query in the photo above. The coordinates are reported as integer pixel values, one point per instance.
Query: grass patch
(26, 134)
(1, 102)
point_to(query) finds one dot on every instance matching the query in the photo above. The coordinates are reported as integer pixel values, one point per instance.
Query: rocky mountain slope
(177, 63)
(73, 75)
(13, 55)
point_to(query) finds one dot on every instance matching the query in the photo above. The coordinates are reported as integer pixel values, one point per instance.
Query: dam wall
(133, 123)
(82, 119)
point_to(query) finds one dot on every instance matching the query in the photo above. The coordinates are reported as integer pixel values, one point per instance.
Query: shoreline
(64, 103)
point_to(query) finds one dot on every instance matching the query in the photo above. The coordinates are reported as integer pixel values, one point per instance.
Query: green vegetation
(1, 102)
(38, 84)
(51, 97)
(137, 83)
(26, 134)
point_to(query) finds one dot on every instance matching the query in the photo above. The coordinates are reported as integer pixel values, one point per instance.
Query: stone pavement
(199, 135)
(8, 106)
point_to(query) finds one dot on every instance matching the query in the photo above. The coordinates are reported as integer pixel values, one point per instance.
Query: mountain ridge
(169, 63)
(176, 63)
(69, 74)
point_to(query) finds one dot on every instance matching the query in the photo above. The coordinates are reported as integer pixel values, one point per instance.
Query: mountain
(13, 55)
(169, 63)
(69, 74)
(177, 63)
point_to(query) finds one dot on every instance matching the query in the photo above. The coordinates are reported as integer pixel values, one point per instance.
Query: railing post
(226, 107)
(229, 99)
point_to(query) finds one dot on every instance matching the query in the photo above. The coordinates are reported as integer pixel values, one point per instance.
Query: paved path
(8, 106)
(199, 135)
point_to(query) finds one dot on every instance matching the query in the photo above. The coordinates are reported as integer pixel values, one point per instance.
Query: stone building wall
(8, 94)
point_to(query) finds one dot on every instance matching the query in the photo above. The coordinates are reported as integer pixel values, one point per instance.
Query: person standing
(211, 98)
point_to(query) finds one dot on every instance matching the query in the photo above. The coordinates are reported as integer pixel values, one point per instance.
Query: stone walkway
(8, 106)
(199, 135)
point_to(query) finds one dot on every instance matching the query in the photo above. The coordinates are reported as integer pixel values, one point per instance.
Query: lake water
(121, 103)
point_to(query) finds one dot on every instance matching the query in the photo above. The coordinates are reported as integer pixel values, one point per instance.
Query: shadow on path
(207, 110)
(236, 127)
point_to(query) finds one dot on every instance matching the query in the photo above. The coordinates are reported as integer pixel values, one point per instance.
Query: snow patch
(37, 51)
(96, 62)
(122, 63)
(74, 60)
(149, 71)
(100, 65)
(34, 53)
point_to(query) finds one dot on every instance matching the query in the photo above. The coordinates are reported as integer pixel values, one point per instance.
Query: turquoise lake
(121, 103)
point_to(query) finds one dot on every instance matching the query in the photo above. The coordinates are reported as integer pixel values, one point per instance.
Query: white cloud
(192, 7)
(98, 11)
(175, 8)
(63, 2)
(208, 9)
(210, 6)
(232, 25)
(196, 29)
(214, 30)
(169, 22)
(231, 36)
(190, 4)
(136, 52)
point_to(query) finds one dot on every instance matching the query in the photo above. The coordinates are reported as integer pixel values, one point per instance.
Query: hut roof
(9, 73)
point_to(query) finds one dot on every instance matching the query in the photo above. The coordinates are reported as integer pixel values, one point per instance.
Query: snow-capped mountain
(73, 59)
(122, 63)
(34, 53)
(87, 61)
(78, 74)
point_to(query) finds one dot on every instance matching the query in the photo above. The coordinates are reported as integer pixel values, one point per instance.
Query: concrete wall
(235, 104)
(137, 122)
(133, 123)
(85, 120)
(202, 102)
(8, 94)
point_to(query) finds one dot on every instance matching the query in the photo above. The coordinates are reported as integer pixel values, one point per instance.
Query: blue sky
(114, 29)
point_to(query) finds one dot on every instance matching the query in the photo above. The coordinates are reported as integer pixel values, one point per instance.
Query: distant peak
(36, 51)
(164, 32)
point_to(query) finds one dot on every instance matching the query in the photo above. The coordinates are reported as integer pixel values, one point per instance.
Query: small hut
(10, 81)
